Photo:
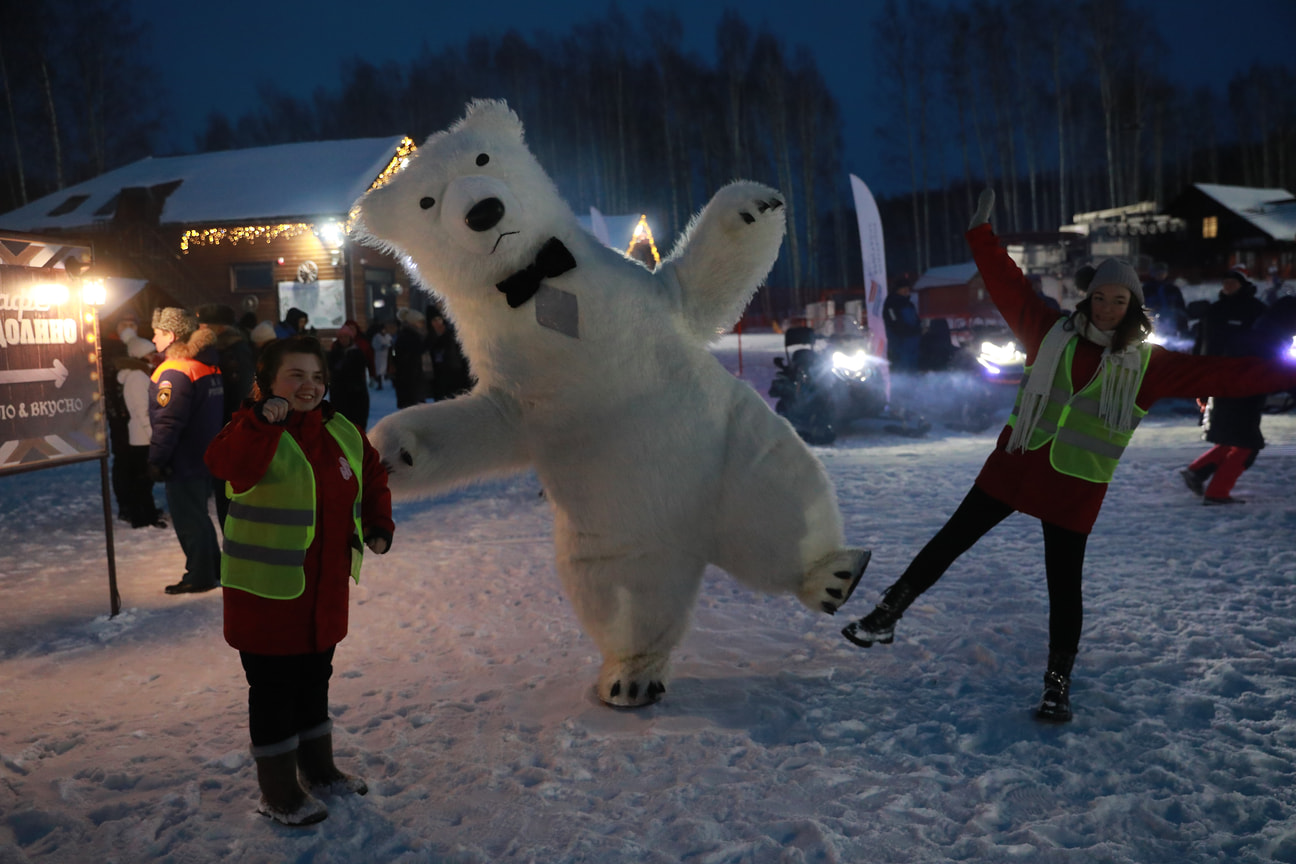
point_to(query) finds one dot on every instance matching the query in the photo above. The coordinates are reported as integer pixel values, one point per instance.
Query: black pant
(1064, 552)
(287, 693)
(136, 493)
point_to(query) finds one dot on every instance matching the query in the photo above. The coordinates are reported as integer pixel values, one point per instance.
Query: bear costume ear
(491, 116)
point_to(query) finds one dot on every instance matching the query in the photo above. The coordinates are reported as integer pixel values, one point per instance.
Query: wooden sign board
(51, 395)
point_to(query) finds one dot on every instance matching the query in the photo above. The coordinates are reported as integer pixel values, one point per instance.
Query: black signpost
(51, 369)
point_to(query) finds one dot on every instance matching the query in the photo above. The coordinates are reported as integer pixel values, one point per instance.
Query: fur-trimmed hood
(200, 339)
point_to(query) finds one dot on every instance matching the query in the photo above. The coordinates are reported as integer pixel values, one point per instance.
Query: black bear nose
(485, 215)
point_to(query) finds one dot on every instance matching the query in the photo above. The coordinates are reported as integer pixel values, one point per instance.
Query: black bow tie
(552, 260)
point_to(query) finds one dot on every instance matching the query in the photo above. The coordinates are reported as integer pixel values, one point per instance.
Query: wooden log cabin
(261, 230)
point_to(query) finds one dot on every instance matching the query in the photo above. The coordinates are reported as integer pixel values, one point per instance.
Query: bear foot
(633, 683)
(832, 579)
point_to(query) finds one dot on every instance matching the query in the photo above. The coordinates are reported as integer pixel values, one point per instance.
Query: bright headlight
(849, 362)
(1000, 355)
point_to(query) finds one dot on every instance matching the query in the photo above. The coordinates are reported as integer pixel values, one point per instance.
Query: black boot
(879, 625)
(1055, 704)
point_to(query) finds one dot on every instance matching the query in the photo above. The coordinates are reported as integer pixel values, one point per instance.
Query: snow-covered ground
(464, 691)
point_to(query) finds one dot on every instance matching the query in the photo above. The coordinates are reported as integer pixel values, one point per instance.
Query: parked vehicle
(826, 383)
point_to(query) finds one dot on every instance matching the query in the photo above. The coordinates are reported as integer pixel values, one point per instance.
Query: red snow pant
(1225, 465)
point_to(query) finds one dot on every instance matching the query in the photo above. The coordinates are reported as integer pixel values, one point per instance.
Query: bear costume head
(476, 195)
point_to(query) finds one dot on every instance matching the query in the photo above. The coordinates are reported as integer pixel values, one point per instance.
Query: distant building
(261, 229)
(1231, 225)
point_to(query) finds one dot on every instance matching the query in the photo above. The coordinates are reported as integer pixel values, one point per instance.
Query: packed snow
(464, 692)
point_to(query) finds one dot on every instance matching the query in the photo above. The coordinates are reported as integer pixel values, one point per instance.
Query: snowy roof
(1273, 211)
(951, 274)
(298, 181)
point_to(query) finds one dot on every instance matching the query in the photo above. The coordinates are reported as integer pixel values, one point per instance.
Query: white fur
(655, 459)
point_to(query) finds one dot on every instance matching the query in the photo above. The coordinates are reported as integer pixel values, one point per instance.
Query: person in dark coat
(903, 329)
(347, 369)
(409, 377)
(186, 401)
(112, 350)
(1165, 300)
(450, 375)
(294, 322)
(237, 368)
(1232, 425)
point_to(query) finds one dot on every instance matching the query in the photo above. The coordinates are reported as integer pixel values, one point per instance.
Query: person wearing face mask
(1090, 377)
(308, 493)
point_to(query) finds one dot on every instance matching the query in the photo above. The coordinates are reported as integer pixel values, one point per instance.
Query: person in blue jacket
(903, 329)
(186, 411)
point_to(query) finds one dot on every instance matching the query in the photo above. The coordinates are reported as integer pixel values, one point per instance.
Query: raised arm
(433, 448)
(725, 254)
(1025, 312)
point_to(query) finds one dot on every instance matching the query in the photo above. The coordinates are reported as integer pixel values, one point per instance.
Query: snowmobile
(820, 390)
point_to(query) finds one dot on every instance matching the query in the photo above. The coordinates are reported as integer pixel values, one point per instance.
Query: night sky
(212, 57)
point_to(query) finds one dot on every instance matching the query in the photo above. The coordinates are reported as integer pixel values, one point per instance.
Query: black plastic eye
(425, 203)
(482, 158)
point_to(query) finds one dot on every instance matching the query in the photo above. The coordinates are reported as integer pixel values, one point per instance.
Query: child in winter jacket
(307, 494)
(1090, 377)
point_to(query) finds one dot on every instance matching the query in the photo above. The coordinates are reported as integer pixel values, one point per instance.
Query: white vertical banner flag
(598, 226)
(873, 253)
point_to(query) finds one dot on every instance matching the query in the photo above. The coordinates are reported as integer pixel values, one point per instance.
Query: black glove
(378, 540)
(985, 205)
(158, 473)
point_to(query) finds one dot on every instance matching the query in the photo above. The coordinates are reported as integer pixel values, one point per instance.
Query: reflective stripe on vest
(270, 526)
(1081, 445)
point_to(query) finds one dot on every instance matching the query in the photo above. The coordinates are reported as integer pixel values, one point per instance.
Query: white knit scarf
(1120, 371)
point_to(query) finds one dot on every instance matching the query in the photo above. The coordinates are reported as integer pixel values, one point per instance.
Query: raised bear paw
(633, 683)
(760, 206)
(832, 579)
(397, 447)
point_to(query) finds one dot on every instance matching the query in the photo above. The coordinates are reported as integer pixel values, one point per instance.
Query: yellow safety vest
(270, 526)
(1080, 444)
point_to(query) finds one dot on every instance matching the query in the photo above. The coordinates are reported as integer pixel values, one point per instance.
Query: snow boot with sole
(1055, 704)
(879, 625)
(318, 773)
(282, 797)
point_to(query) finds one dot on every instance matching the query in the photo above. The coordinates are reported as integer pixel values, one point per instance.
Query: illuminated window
(1210, 227)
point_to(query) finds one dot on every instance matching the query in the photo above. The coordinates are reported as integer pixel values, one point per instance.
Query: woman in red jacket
(1091, 377)
(305, 486)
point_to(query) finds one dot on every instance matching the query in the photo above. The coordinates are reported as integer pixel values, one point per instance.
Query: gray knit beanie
(1116, 272)
(175, 320)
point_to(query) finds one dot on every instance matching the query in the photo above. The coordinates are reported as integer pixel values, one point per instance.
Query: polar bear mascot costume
(594, 371)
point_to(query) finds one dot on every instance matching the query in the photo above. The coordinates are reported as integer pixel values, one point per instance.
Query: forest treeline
(1061, 105)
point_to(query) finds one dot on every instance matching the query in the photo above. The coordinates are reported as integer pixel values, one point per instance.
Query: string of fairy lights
(642, 231)
(197, 237)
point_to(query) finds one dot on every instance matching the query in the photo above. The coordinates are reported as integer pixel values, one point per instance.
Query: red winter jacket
(1026, 481)
(317, 620)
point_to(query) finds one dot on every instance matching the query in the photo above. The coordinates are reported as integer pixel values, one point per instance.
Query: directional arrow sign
(58, 373)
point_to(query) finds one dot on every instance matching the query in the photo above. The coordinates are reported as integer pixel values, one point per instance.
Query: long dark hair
(272, 357)
(1133, 328)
